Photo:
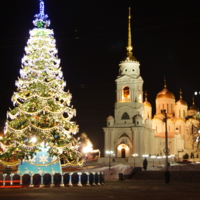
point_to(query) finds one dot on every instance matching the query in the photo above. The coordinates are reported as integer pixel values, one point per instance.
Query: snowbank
(111, 174)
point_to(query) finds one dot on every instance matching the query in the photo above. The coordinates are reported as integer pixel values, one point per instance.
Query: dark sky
(91, 38)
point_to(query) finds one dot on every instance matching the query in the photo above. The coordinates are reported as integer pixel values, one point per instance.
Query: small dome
(137, 116)
(110, 117)
(165, 93)
(193, 107)
(146, 103)
(181, 102)
(130, 57)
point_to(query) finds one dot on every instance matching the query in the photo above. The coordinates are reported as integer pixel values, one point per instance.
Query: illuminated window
(126, 92)
(125, 116)
(140, 98)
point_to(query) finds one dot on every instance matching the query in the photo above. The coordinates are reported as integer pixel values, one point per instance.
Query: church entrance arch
(123, 151)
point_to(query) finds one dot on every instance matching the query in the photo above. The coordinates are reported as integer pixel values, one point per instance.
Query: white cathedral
(132, 130)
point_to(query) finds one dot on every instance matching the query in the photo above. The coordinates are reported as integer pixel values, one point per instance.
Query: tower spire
(165, 82)
(145, 95)
(129, 47)
(41, 19)
(193, 101)
(180, 93)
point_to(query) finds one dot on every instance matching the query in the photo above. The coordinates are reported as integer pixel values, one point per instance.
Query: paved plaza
(128, 189)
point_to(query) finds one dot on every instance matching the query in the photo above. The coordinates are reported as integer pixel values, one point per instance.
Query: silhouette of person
(145, 163)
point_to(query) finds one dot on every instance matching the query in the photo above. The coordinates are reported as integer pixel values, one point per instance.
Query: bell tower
(129, 94)
(127, 133)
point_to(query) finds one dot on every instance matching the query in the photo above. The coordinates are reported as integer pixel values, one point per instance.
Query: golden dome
(110, 117)
(181, 102)
(130, 57)
(165, 93)
(193, 107)
(146, 103)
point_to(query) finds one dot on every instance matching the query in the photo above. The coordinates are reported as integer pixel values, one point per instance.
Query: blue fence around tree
(51, 180)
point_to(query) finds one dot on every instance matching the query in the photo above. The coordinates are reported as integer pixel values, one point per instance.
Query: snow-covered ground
(113, 173)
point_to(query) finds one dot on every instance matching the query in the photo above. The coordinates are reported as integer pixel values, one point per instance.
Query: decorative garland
(10, 164)
(51, 163)
(15, 163)
(80, 163)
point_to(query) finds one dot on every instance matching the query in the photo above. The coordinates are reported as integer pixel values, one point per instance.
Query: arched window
(126, 92)
(125, 116)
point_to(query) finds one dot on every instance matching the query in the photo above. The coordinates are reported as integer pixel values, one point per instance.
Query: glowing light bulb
(33, 139)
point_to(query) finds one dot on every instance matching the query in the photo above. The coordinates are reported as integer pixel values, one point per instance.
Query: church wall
(165, 104)
(180, 128)
(180, 111)
(147, 112)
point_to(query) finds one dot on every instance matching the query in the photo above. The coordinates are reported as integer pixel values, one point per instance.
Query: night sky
(91, 37)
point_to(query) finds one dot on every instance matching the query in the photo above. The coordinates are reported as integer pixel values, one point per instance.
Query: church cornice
(131, 77)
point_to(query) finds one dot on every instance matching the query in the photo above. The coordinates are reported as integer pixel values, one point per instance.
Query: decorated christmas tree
(39, 131)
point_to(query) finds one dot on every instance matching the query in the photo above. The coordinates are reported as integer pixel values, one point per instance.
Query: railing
(51, 180)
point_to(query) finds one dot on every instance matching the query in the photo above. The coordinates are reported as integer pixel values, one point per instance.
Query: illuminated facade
(132, 129)
(128, 132)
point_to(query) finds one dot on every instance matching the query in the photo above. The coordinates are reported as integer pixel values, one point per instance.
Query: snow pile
(111, 174)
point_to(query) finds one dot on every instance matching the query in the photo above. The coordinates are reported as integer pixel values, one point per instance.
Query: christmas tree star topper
(41, 18)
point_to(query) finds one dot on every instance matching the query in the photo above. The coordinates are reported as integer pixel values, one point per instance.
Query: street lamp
(153, 159)
(134, 155)
(166, 151)
(109, 153)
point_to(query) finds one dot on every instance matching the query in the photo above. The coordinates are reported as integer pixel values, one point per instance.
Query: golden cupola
(146, 103)
(181, 101)
(193, 107)
(165, 93)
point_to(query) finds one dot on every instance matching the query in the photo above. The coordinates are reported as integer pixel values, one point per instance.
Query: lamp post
(166, 139)
(109, 153)
(166, 151)
(134, 155)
